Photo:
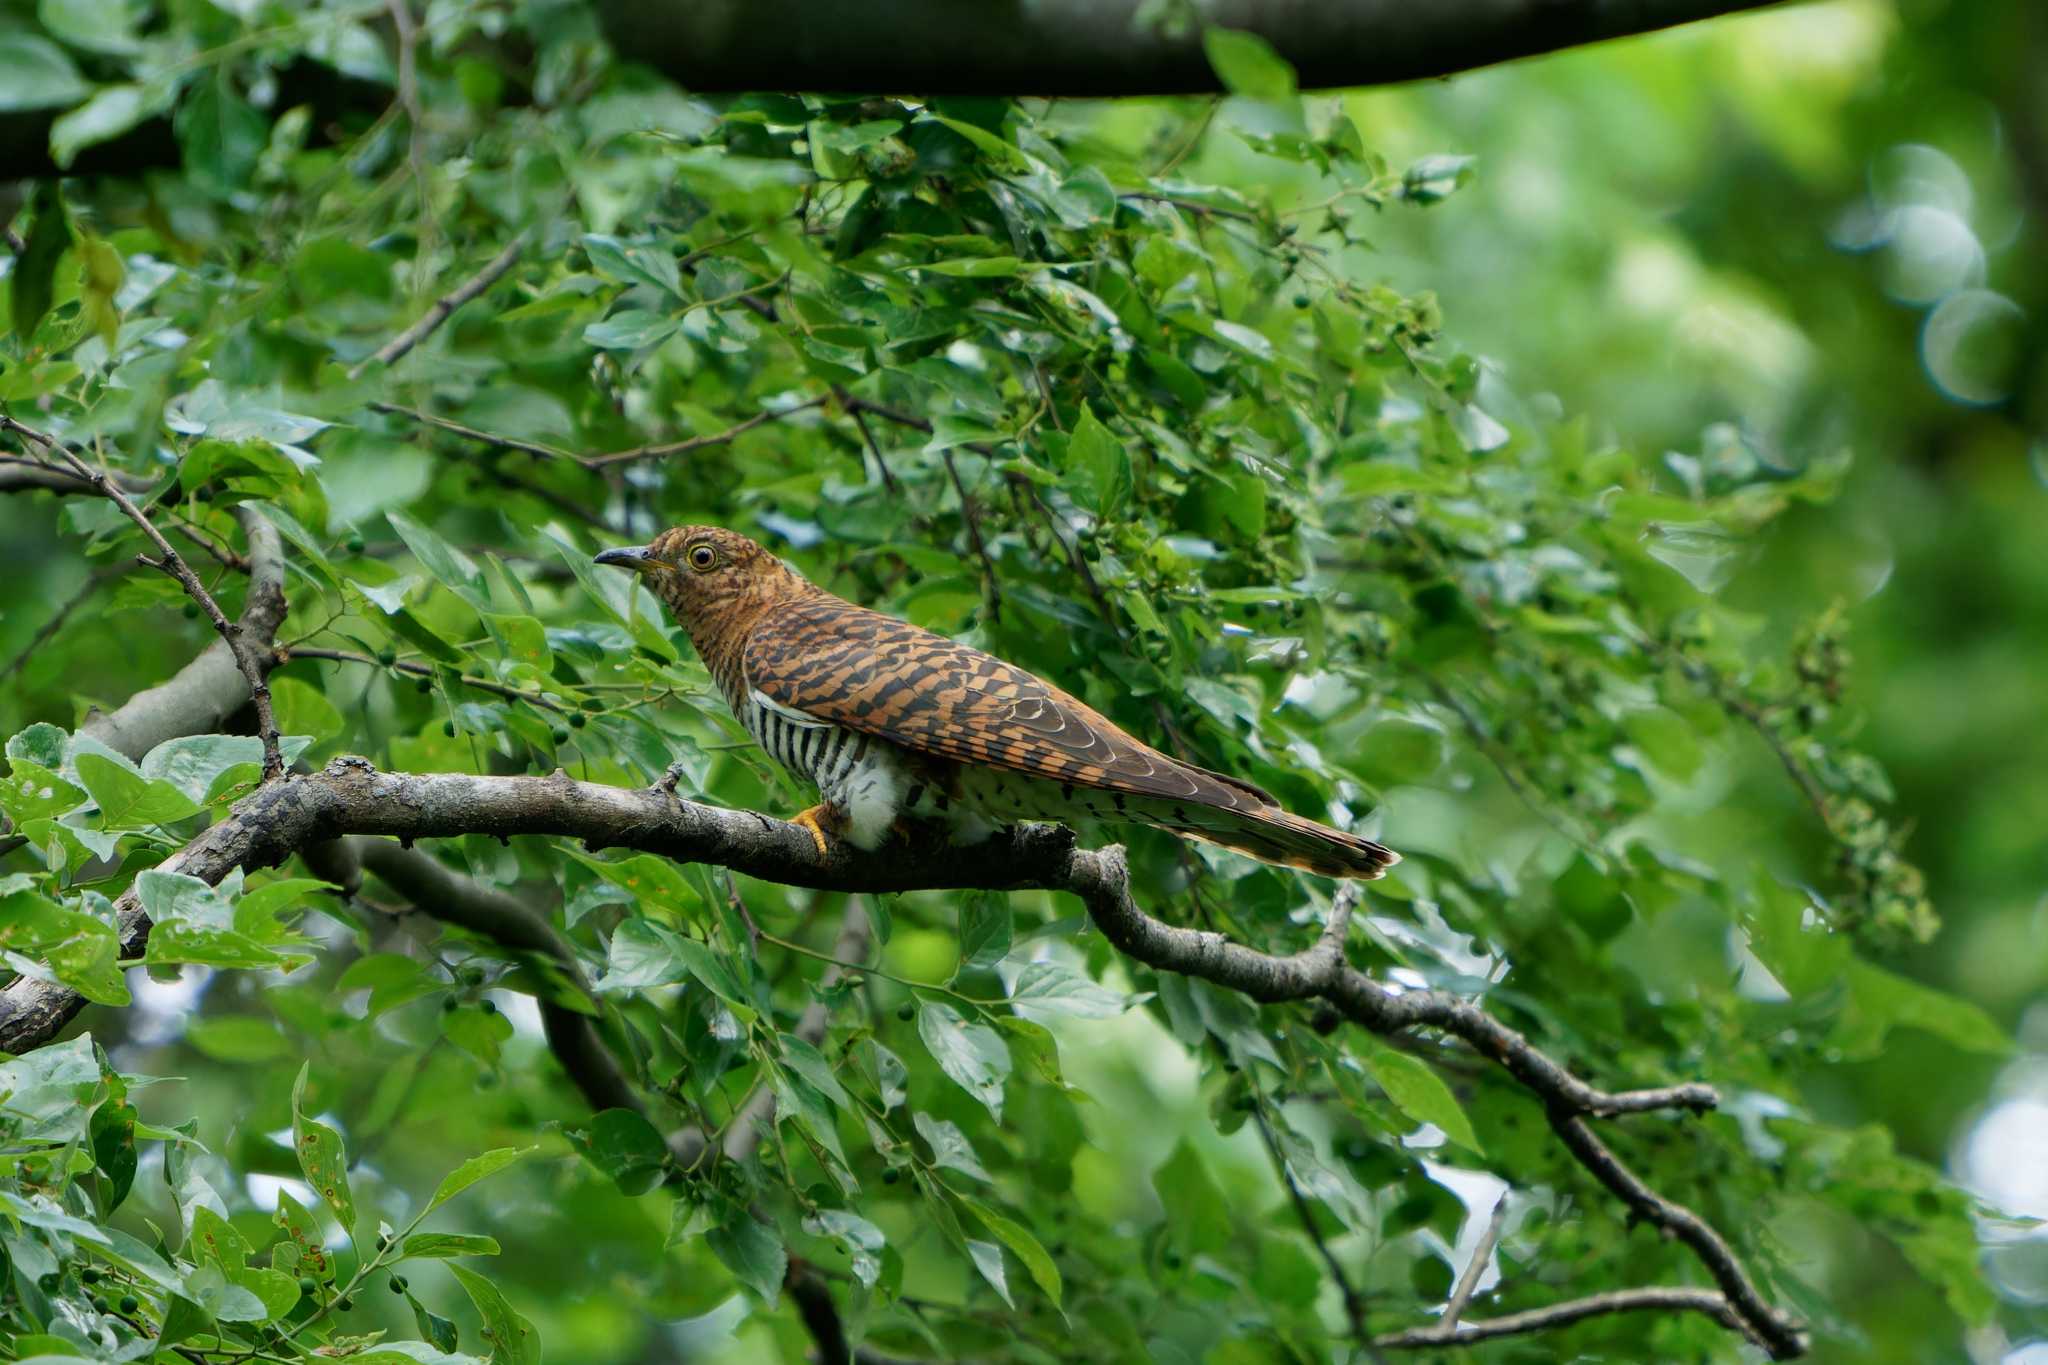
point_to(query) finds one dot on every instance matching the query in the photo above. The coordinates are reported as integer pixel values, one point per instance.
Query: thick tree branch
(351, 797)
(1098, 47)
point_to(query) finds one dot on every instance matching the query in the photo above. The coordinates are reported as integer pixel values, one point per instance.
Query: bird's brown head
(709, 576)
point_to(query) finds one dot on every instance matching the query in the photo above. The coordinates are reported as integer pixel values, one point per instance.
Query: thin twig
(99, 578)
(286, 653)
(1354, 1301)
(1468, 1283)
(546, 452)
(972, 517)
(858, 412)
(248, 658)
(1562, 1314)
(716, 438)
(444, 306)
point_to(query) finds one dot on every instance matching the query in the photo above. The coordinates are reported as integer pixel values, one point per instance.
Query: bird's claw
(810, 820)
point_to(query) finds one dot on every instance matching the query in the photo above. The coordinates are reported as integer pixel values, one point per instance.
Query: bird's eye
(702, 557)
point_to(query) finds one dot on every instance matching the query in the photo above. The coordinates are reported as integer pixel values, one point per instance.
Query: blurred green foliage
(1524, 468)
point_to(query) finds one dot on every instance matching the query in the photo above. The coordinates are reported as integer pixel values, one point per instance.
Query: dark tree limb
(1097, 47)
(350, 797)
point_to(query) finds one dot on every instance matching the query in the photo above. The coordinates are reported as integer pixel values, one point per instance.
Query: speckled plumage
(887, 719)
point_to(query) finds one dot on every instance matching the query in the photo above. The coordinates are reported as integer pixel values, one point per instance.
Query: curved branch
(351, 797)
(1101, 47)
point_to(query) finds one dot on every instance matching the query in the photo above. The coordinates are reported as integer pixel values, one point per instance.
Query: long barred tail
(1273, 835)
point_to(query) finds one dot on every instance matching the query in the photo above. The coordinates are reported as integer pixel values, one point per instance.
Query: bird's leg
(815, 820)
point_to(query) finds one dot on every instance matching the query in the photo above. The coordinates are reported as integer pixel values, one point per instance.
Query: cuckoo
(892, 722)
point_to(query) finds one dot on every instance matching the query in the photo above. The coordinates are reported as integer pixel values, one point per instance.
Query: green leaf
(753, 1253)
(37, 74)
(475, 1169)
(1201, 1215)
(1436, 178)
(1100, 467)
(127, 800)
(1880, 1001)
(635, 263)
(1421, 1094)
(321, 1158)
(238, 1038)
(988, 1259)
(714, 972)
(513, 1340)
(1045, 989)
(629, 1149)
(81, 950)
(949, 1145)
(449, 566)
(442, 1245)
(984, 929)
(112, 111)
(1019, 1240)
(1593, 899)
(972, 1054)
(1666, 740)
(1247, 64)
(976, 267)
(859, 1240)
(1396, 752)
(33, 792)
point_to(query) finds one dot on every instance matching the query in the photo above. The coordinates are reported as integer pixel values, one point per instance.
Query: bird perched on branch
(889, 721)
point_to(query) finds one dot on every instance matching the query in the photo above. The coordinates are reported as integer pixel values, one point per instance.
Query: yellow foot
(812, 820)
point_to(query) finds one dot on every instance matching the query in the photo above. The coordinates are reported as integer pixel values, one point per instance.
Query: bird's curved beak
(634, 557)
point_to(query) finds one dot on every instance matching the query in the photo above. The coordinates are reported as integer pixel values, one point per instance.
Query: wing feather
(848, 666)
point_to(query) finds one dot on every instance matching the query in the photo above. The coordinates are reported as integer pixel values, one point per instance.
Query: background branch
(1101, 47)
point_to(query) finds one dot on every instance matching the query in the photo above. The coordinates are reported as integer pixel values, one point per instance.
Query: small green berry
(345, 1305)
(490, 1007)
(578, 721)
(91, 1274)
(1301, 300)
(891, 1176)
(425, 685)
(560, 736)
(387, 657)
(398, 1284)
(906, 1012)
(191, 611)
(355, 544)
(101, 1306)
(50, 1282)
(448, 728)
(308, 1286)
(129, 1303)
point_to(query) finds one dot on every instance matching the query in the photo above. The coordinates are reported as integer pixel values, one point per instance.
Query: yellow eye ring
(702, 557)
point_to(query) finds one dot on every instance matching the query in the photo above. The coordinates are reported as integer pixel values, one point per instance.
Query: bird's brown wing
(859, 669)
